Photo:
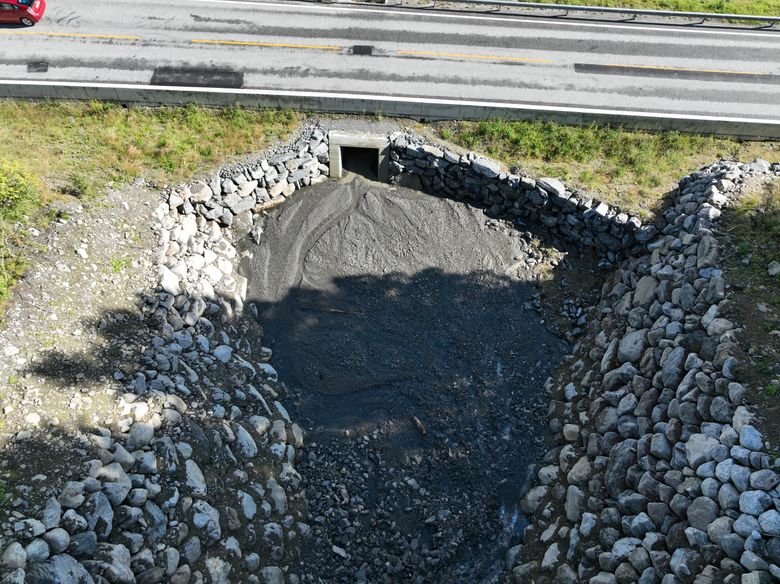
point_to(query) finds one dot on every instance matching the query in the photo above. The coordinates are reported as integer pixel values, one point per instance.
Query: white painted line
(398, 99)
(435, 14)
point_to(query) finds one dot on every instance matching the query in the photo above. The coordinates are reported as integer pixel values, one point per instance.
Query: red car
(26, 12)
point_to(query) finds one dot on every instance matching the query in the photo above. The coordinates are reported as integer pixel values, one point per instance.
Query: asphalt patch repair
(405, 327)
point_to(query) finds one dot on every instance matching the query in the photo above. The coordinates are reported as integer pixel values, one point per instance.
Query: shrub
(18, 192)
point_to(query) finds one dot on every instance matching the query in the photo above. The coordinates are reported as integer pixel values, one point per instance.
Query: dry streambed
(412, 344)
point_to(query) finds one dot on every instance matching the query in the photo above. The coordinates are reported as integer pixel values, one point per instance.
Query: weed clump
(19, 199)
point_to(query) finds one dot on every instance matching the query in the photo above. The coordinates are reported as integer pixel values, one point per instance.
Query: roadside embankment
(185, 466)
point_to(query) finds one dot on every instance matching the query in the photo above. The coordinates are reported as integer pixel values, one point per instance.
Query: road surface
(395, 51)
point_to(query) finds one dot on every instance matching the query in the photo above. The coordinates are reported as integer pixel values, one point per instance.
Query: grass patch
(754, 229)
(756, 7)
(630, 169)
(755, 223)
(119, 264)
(752, 236)
(80, 148)
(56, 149)
(19, 201)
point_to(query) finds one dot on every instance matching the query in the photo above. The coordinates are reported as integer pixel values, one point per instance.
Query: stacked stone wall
(197, 482)
(575, 217)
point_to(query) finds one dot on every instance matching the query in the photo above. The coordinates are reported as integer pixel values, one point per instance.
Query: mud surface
(405, 325)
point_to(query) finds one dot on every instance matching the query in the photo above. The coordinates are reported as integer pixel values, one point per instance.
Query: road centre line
(261, 44)
(521, 20)
(71, 34)
(468, 56)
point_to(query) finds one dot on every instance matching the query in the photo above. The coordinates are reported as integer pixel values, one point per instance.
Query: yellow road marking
(278, 45)
(467, 56)
(71, 34)
(651, 67)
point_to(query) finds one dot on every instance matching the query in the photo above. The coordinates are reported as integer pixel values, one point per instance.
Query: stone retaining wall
(658, 473)
(574, 217)
(197, 482)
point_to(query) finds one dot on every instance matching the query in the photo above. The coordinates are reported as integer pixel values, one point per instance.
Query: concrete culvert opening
(361, 161)
(406, 327)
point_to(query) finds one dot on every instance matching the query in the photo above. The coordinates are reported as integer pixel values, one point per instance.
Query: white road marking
(432, 14)
(399, 99)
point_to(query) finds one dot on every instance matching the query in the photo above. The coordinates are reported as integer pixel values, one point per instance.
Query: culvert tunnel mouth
(361, 161)
(404, 326)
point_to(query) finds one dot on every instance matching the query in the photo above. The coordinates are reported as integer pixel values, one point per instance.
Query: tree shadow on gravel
(35, 462)
(116, 332)
(424, 399)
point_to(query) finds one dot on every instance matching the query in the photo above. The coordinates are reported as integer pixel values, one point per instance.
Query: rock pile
(658, 474)
(197, 481)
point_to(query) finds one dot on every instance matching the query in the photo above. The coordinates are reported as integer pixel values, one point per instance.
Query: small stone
(552, 186)
(245, 444)
(223, 353)
(206, 518)
(272, 575)
(754, 502)
(58, 540)
(14, 556)
(29, 528)
(632, 347)
(82, 545)
(37, 550)
(52, 513)
(764, 480)
(195, 479)
(551, 557)
(169, 281)
(752, 561)
(702, 512)
(750, 438)
(141, 434)
(770, 522)
(699, 448)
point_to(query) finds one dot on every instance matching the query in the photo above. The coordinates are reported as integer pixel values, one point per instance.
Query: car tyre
(26, 21)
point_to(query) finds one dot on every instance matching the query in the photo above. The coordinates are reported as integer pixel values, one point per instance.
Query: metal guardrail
(771, 20)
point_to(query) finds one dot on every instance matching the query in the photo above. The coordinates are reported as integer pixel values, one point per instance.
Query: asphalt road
(394, 51)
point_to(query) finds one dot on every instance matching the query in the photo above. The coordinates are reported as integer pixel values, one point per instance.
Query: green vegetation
(19, 200)
(754, 228)
(119, 264)
(757, 7)
(53, 150)
(631, 169)
(79, 148)
(755, 223)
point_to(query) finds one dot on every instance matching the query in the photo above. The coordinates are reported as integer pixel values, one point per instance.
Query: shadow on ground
(407, 328)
